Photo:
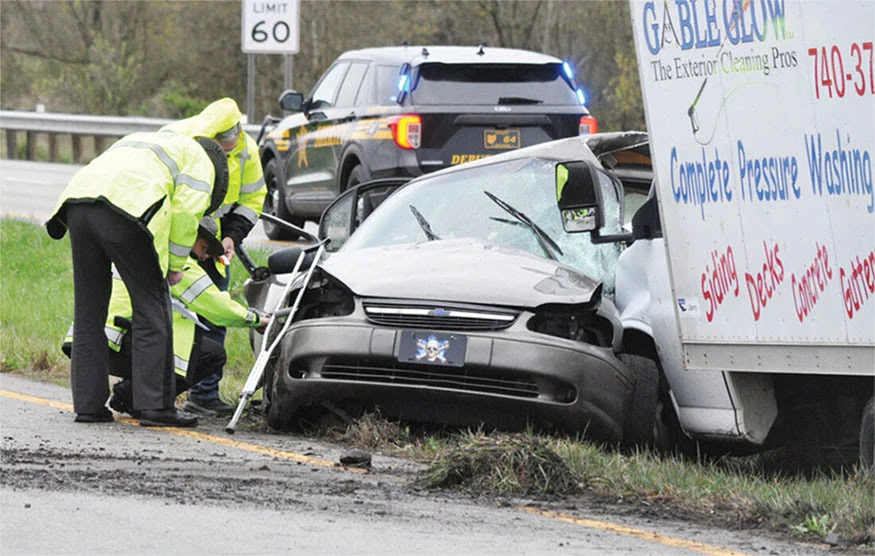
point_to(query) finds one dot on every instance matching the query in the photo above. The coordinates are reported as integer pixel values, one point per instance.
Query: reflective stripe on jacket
(246, 187)
(198, 294)
(162, 180)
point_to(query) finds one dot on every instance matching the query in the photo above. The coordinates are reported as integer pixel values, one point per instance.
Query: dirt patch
(503, 464)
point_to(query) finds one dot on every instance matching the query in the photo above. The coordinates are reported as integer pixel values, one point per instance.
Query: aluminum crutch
(252, 381)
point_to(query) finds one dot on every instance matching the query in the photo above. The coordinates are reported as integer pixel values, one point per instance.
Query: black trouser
(206, 358)
(100, 236)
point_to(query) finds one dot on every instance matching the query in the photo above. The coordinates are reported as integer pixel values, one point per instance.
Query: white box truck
(758, 295)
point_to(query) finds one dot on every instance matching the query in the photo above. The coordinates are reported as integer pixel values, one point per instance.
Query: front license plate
(501, 139)
(432, 348)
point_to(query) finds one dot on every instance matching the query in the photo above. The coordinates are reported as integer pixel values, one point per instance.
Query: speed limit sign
(270, 27)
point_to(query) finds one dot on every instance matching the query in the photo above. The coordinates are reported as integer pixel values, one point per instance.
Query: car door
(330, 116)
(350, 209)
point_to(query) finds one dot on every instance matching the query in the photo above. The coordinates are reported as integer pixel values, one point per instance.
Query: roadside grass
(36, 308)
(522, 464)
(36, 300)
(742, 491)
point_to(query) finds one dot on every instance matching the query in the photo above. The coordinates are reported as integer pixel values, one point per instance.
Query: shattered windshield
(457, 205)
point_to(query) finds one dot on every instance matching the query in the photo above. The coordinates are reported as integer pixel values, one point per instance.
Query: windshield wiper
(423, 223)
(544, 238)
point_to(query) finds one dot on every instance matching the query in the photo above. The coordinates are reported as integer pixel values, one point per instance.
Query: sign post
(268, 27)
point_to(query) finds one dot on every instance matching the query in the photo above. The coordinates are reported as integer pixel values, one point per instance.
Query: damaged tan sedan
(461, 299)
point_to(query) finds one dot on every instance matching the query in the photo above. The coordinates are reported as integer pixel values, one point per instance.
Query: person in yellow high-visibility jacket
(195, 354)
(239, 213)
(136, 206)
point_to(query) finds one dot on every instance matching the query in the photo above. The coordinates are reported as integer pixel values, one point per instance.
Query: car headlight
(581, 324)
(326, 296)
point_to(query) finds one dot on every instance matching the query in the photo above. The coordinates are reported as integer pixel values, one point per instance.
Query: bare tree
(171, 58)
(513, 22)
(91, 52)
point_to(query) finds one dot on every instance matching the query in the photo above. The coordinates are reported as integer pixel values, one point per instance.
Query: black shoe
(122, 406)
(209, 408)
(102, 416)
(122, 400)
(166, 418)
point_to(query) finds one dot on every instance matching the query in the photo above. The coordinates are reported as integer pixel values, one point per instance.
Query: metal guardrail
(103, 131)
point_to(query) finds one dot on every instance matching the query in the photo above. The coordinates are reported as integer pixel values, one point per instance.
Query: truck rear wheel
(867, 436)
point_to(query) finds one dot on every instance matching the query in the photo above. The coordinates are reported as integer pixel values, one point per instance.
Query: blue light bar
(402, 82)
(567, 67)
(580, 97)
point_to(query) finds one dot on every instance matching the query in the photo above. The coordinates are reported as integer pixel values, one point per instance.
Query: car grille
(435, 317)
(442, 377)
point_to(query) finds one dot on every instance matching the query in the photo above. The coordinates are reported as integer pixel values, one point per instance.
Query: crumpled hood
(464, 270)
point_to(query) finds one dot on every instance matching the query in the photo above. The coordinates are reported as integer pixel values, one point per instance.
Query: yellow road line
(40, 401)
(188, 433)
(632, 532)
(300, 458)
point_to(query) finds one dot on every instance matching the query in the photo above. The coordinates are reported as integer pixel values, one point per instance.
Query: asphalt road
(71, 488)
(118, 488)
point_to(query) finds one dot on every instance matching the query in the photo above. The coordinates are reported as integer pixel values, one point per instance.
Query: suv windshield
(456, 205)
(467, 84)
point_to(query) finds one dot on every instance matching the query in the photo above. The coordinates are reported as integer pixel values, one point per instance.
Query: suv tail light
(406, 130)
(588, 125)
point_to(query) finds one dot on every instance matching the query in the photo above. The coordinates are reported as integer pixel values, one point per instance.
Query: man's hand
(228, 244)
(262, 324)
(174, 277)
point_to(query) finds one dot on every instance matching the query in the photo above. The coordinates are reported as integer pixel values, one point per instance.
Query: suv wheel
(276, 206)
(356, 176)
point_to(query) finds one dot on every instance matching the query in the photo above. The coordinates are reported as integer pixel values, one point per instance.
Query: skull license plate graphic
(432, 348)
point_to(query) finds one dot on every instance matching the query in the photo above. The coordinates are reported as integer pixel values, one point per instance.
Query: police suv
(405, 111)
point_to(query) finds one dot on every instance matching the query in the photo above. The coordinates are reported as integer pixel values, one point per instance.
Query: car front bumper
(510, 378)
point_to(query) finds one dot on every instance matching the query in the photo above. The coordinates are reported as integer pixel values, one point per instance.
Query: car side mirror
(579, 197)
(581, 200)
(291, 101)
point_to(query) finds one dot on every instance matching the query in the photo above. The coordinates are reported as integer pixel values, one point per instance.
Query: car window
(336, 223)
(635, 193)
(326, 91)
(352, 83)
(387, 84)
(366, 90)
(508, 84)
(455, 205)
